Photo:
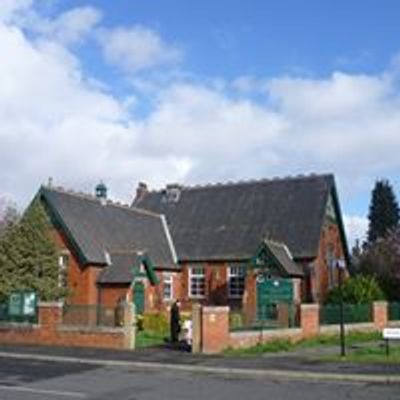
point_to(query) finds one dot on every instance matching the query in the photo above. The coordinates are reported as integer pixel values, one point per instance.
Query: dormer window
(142, 269)
(172, 193)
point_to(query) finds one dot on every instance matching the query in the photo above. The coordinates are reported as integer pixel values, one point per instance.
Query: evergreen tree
(28, 256)
(383, 211)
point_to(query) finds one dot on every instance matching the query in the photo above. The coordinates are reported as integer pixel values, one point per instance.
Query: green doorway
(138, 297)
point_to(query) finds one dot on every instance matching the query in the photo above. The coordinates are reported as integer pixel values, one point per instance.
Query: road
(45, 380)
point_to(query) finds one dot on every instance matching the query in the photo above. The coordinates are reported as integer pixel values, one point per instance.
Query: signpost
(341, 265)
(390, 334)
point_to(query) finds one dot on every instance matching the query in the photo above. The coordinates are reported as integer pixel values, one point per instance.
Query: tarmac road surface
(44, 380)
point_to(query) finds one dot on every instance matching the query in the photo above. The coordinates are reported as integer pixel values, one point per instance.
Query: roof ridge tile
(94, 199)
(251, 181)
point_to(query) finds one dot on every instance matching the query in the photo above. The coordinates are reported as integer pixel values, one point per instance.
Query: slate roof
(228, 221)
(94, 228)
(285, 258)
(120, 270)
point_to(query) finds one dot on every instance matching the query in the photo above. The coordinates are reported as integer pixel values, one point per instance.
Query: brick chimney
(141, 191)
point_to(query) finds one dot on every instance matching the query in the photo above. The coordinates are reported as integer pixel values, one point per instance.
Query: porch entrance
(272, 294)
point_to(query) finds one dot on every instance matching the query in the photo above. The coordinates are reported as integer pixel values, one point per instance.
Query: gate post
(215, 329)
(129, 311)
(309, 320)
(380, 314)
(196, 328)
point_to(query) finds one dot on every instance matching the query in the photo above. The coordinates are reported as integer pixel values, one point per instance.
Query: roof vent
(101, 192)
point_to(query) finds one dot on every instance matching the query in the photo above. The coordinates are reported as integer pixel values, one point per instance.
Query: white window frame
(169, 280)
(63, 264)
(193, 274)
(237, 271)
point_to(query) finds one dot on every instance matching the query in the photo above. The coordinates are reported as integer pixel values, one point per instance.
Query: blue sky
(228, 38)
(192, 92)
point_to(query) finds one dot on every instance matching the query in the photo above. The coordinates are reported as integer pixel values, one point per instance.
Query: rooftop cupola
(101, 191)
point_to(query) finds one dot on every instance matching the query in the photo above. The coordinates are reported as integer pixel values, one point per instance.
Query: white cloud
(136, 48)
(10, 8)
(54, 123)
(70, 27)
(356, 228)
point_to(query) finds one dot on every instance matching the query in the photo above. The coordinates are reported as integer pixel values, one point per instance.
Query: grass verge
(280, 345)
(376, 354)
(149, 338)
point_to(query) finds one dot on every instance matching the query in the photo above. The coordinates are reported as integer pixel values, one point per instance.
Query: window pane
(236, 281)
(167, 290)
(197, 282)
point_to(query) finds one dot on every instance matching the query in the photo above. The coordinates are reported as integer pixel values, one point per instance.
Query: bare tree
(382, 259)
(9, 214)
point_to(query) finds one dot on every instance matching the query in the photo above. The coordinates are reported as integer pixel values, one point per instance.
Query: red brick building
(212, 244)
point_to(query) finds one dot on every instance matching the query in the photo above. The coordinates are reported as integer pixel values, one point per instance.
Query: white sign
(341, 264)
(29, 303)
(391, 333)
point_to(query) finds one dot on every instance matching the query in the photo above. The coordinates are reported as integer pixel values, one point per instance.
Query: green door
(270, 293)
(138, 297)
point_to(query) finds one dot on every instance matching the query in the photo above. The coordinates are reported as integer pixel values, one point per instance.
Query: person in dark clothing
(175, 322)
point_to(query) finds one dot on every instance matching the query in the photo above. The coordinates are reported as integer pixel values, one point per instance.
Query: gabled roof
(94, 229)
(283, 258)
(228, 221)
(123, 266)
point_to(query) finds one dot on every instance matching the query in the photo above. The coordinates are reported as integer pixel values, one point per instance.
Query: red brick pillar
(380, 314)
(215, 329)
(309, 319)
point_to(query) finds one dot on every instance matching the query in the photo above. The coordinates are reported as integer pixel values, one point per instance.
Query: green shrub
(235, 320)
(155, 323)
(139, 322)
(357, 290)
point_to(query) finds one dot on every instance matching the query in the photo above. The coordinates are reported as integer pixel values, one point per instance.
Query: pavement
(297, 365)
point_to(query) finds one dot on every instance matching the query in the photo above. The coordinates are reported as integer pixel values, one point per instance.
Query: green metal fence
(268, 316)
(394, 311)
(352, 313)
(92, 315)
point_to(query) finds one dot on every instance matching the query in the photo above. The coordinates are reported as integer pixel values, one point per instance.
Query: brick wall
(111, 294)
(215, 334)
(49, 331)
(81, 279)
(216, 286)
(330, 238)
